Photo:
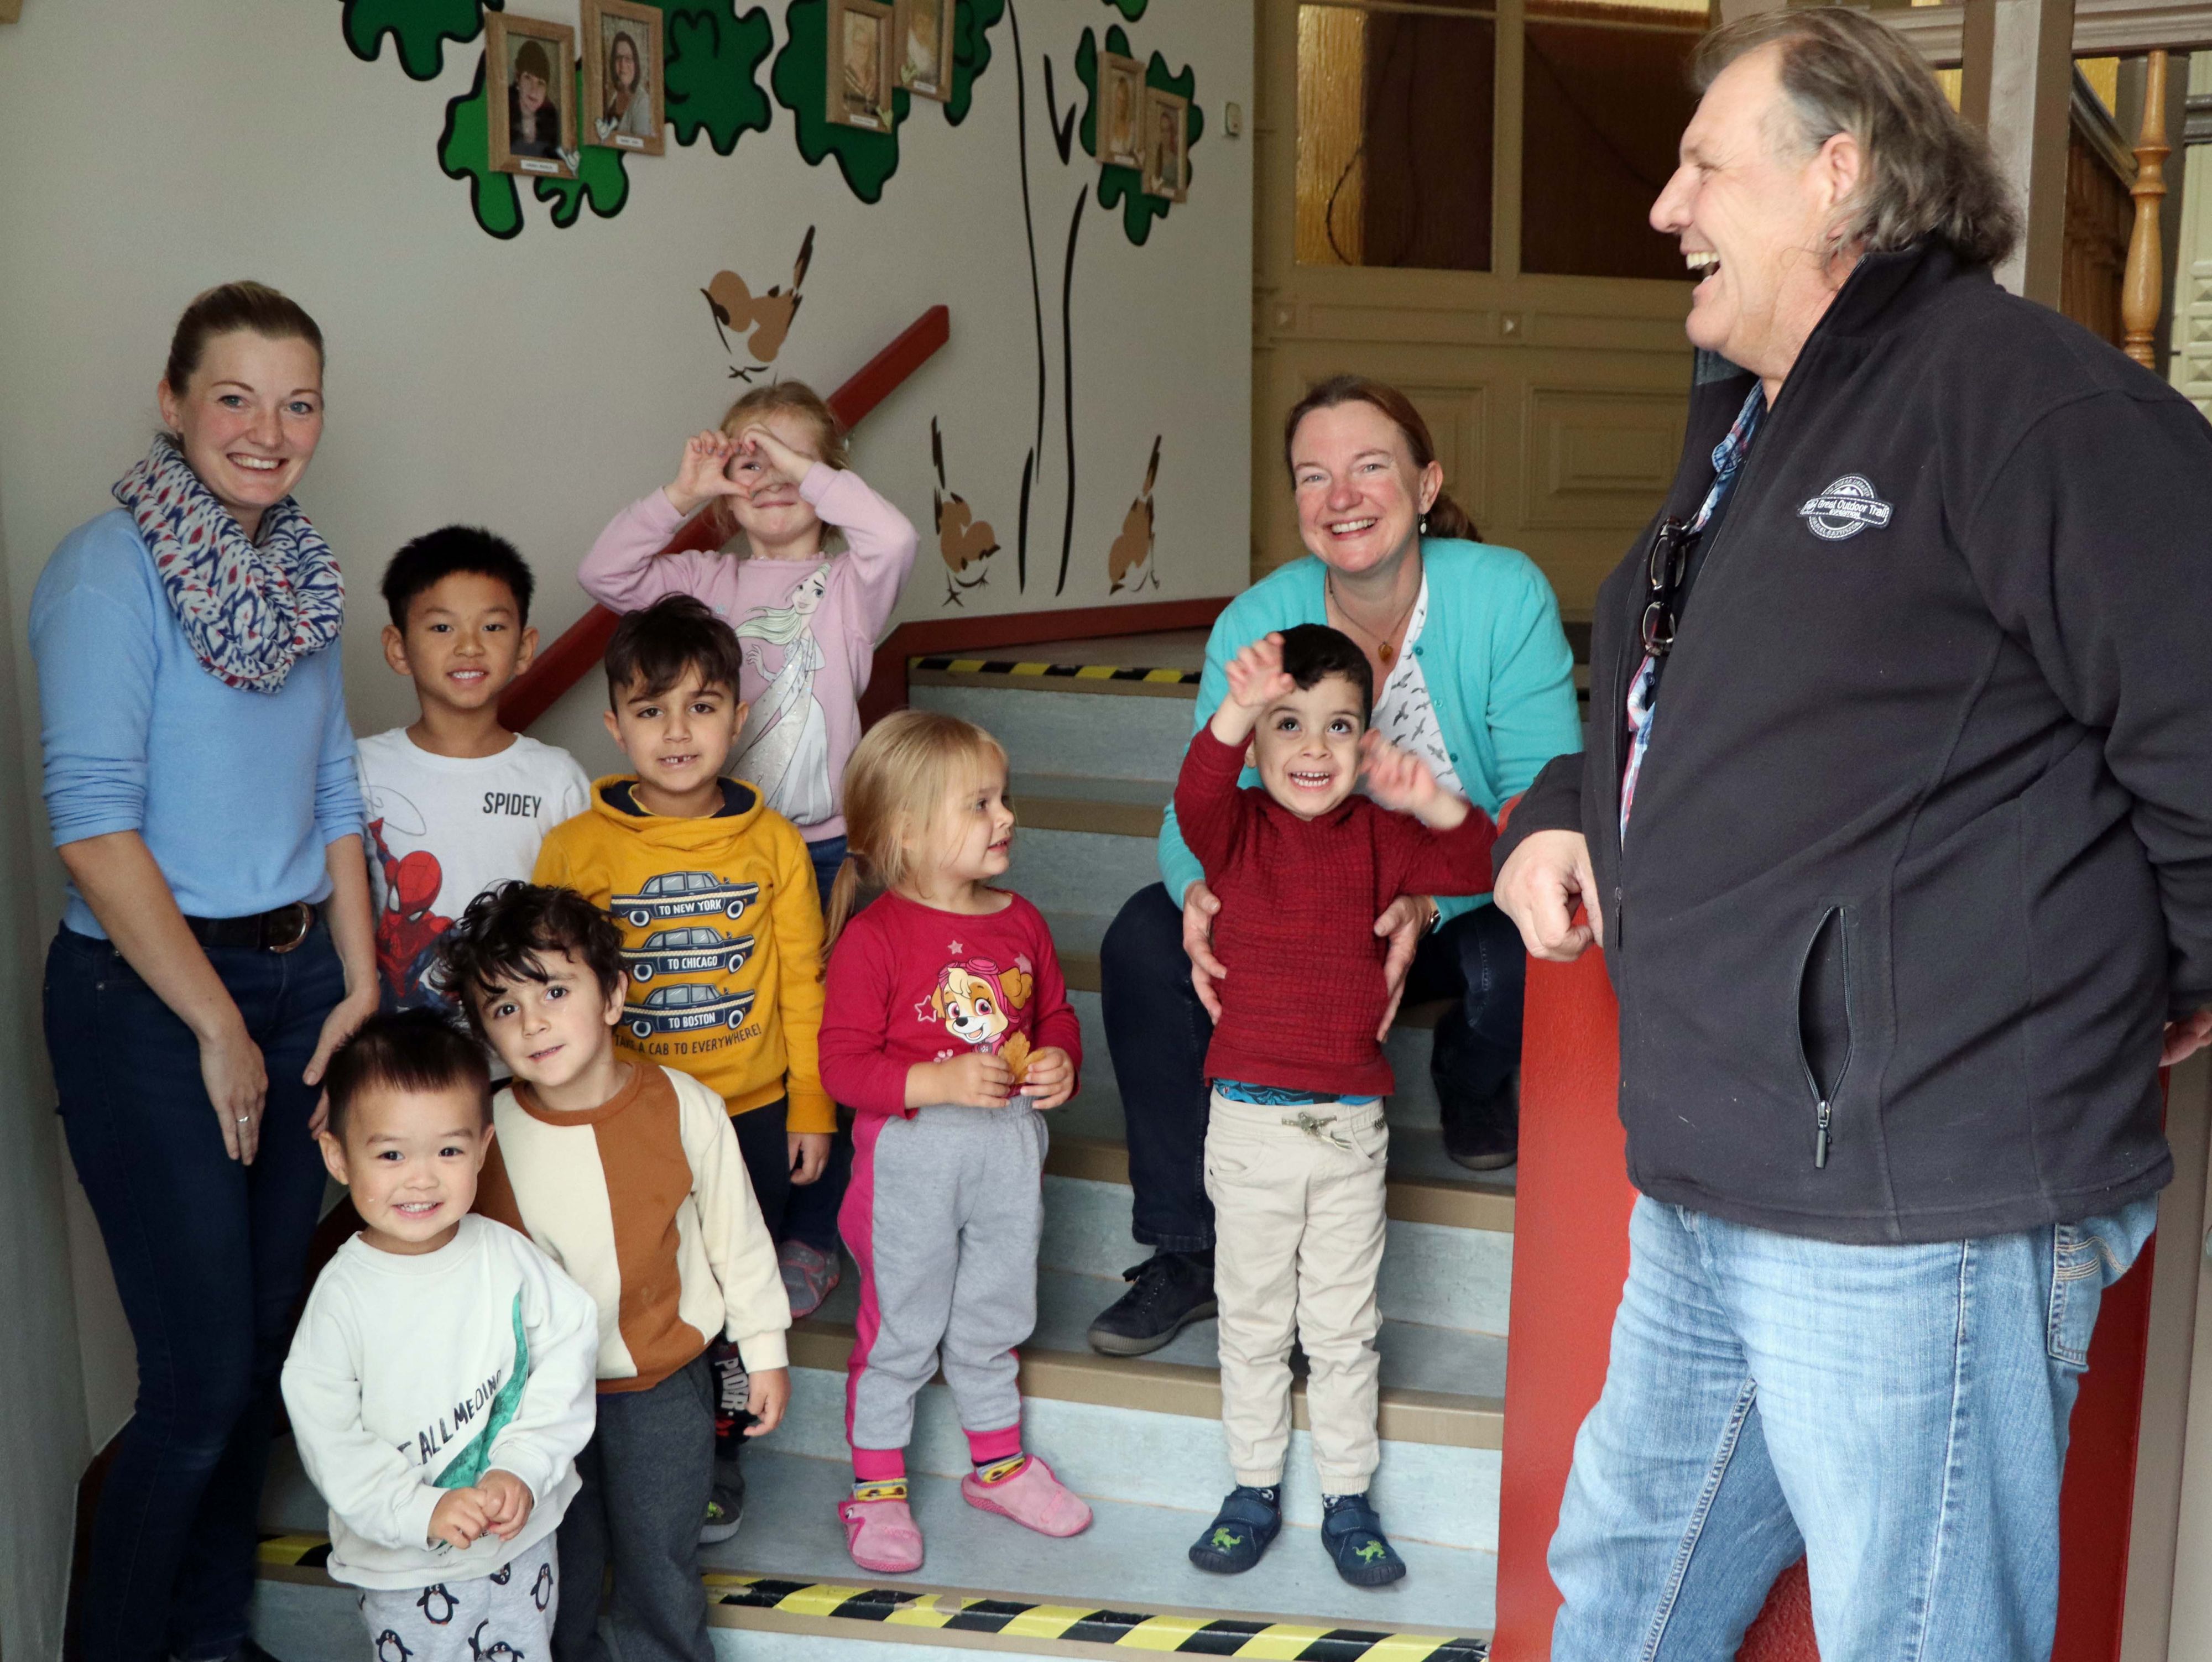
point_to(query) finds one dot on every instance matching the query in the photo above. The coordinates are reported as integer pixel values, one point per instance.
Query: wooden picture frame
(615, 31)
(516, 48)
(1167, 145)
(925, 34)
(859, 31)
(1117, 132)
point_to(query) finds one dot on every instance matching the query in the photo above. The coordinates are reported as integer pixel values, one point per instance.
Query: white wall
(536, 384)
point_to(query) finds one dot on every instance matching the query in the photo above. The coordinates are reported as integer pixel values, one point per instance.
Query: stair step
(1442, 1275)
(1128, 1571)
(1076, 733)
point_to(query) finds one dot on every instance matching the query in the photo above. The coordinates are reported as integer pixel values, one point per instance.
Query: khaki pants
(1297, 1196)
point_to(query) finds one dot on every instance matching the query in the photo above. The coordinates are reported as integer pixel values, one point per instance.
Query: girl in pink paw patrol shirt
(949, 1031)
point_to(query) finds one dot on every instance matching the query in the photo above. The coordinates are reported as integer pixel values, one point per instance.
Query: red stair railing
(580, 647)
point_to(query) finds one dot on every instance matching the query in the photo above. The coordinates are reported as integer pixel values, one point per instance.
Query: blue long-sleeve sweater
(1495, 658)
(237, 793)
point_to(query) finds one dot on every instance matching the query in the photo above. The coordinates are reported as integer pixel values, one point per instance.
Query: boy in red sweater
(1296, 1140)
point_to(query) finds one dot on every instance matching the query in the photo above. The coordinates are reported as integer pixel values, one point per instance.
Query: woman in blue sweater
(1473, 674)
(216, 944)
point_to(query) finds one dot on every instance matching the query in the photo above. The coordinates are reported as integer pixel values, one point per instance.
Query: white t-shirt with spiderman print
(442, 829)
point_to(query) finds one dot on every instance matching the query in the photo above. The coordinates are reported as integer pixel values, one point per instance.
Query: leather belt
(280, 930)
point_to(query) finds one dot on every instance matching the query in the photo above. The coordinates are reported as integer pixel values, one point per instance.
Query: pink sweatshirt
(808, 630)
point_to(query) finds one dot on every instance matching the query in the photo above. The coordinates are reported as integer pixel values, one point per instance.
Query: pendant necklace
(1383, 648)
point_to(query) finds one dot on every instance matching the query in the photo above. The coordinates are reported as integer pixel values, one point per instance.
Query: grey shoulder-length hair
(1928, 174)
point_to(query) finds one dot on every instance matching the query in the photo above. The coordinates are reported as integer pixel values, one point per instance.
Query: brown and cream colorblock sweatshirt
(644, 1201)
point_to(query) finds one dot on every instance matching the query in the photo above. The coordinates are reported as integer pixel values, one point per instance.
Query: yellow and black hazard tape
(1007, 666)
(1086, 1624)
(1133, 1630)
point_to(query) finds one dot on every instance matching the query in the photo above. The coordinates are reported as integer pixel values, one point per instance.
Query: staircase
(1094, 731)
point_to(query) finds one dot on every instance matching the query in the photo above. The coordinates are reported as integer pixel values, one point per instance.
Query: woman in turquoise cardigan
(1473, 674)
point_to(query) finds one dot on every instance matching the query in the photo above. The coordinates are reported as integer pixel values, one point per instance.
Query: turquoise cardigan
(1492, 651)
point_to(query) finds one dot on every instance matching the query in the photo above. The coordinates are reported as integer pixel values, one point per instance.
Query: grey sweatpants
(943, 1217)
(504, 1616)
(645, 1475)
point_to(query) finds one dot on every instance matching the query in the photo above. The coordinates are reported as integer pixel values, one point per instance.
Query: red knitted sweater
(1296, 931)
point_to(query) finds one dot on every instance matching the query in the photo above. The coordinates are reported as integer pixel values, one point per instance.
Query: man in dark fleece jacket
(1895, 825)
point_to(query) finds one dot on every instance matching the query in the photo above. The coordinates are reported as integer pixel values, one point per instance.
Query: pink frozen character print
(784, 748)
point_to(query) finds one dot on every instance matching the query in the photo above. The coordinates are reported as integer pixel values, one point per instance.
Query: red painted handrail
(578, 651)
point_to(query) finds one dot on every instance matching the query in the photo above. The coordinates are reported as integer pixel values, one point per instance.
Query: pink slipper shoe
(1033, 1498)
(881, 1535)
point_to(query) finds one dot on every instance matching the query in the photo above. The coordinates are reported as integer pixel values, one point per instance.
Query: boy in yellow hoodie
(714, 895)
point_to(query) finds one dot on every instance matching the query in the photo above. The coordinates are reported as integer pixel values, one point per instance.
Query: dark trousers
(645, 1476)
(811, 1216)
(208, 1256)
(1157, 1032)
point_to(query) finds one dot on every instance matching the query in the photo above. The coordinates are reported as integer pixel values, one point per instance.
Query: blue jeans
(1896, 1414)
(208, 1256)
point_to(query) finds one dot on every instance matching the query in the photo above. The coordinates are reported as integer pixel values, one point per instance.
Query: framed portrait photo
(532, 70)
(623, 109)
(925, 47)
(1118, 138)
(863, 61)
(1166, 139)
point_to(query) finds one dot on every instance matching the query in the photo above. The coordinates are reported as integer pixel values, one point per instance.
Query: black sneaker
(1485, 1137)
(1248, 1520)
(1353, 1535)
(1172, 1290)
(726, 1515)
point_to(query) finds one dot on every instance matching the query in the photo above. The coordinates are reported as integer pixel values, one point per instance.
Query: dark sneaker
(1170, 1291)
(725, 1514)
(1248, 1520)
(1353, 1535)
(1485, 1137)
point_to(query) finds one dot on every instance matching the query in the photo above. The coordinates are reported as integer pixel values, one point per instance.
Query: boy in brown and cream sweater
(628, 1174)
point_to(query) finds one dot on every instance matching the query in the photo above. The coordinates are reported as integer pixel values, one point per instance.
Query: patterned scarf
(250, 611)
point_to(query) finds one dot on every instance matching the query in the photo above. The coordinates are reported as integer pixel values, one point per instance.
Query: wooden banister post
(2031, 85)
(2141, 288)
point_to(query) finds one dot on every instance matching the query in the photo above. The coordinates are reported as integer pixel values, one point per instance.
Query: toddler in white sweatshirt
(441, 1381)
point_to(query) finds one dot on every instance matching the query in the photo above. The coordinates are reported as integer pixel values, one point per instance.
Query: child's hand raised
(1255, 675)
(508, 1502)
(1255, 681)
(1049, 1078)
(461, 1518)
(703, 473)
(783, 464)
(1401, 782)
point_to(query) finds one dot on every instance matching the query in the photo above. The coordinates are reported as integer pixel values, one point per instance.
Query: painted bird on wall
(1133, 549)
(963, 540)
(761, 322)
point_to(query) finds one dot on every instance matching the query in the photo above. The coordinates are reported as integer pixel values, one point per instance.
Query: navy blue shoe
(1353, 1535)
(1248, 1520)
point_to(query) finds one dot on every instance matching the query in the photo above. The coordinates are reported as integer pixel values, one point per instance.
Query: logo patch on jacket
(1847, 507)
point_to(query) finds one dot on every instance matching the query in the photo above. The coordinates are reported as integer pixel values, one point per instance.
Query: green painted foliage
(1125, 185)
(972, 22)
(1132, 9)
(419, 28)
(464, 152)
(712, 84)
(800, 79)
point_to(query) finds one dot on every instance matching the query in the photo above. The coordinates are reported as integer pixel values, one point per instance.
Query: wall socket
(1232, 119)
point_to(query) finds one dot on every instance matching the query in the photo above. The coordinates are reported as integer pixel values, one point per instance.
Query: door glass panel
(1608, 95)
(1393, 136)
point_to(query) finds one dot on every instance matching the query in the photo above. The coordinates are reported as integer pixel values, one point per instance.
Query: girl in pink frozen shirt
(771, 482)
(772, 479)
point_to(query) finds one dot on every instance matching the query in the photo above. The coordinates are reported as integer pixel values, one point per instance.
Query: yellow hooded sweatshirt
(721, 928)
